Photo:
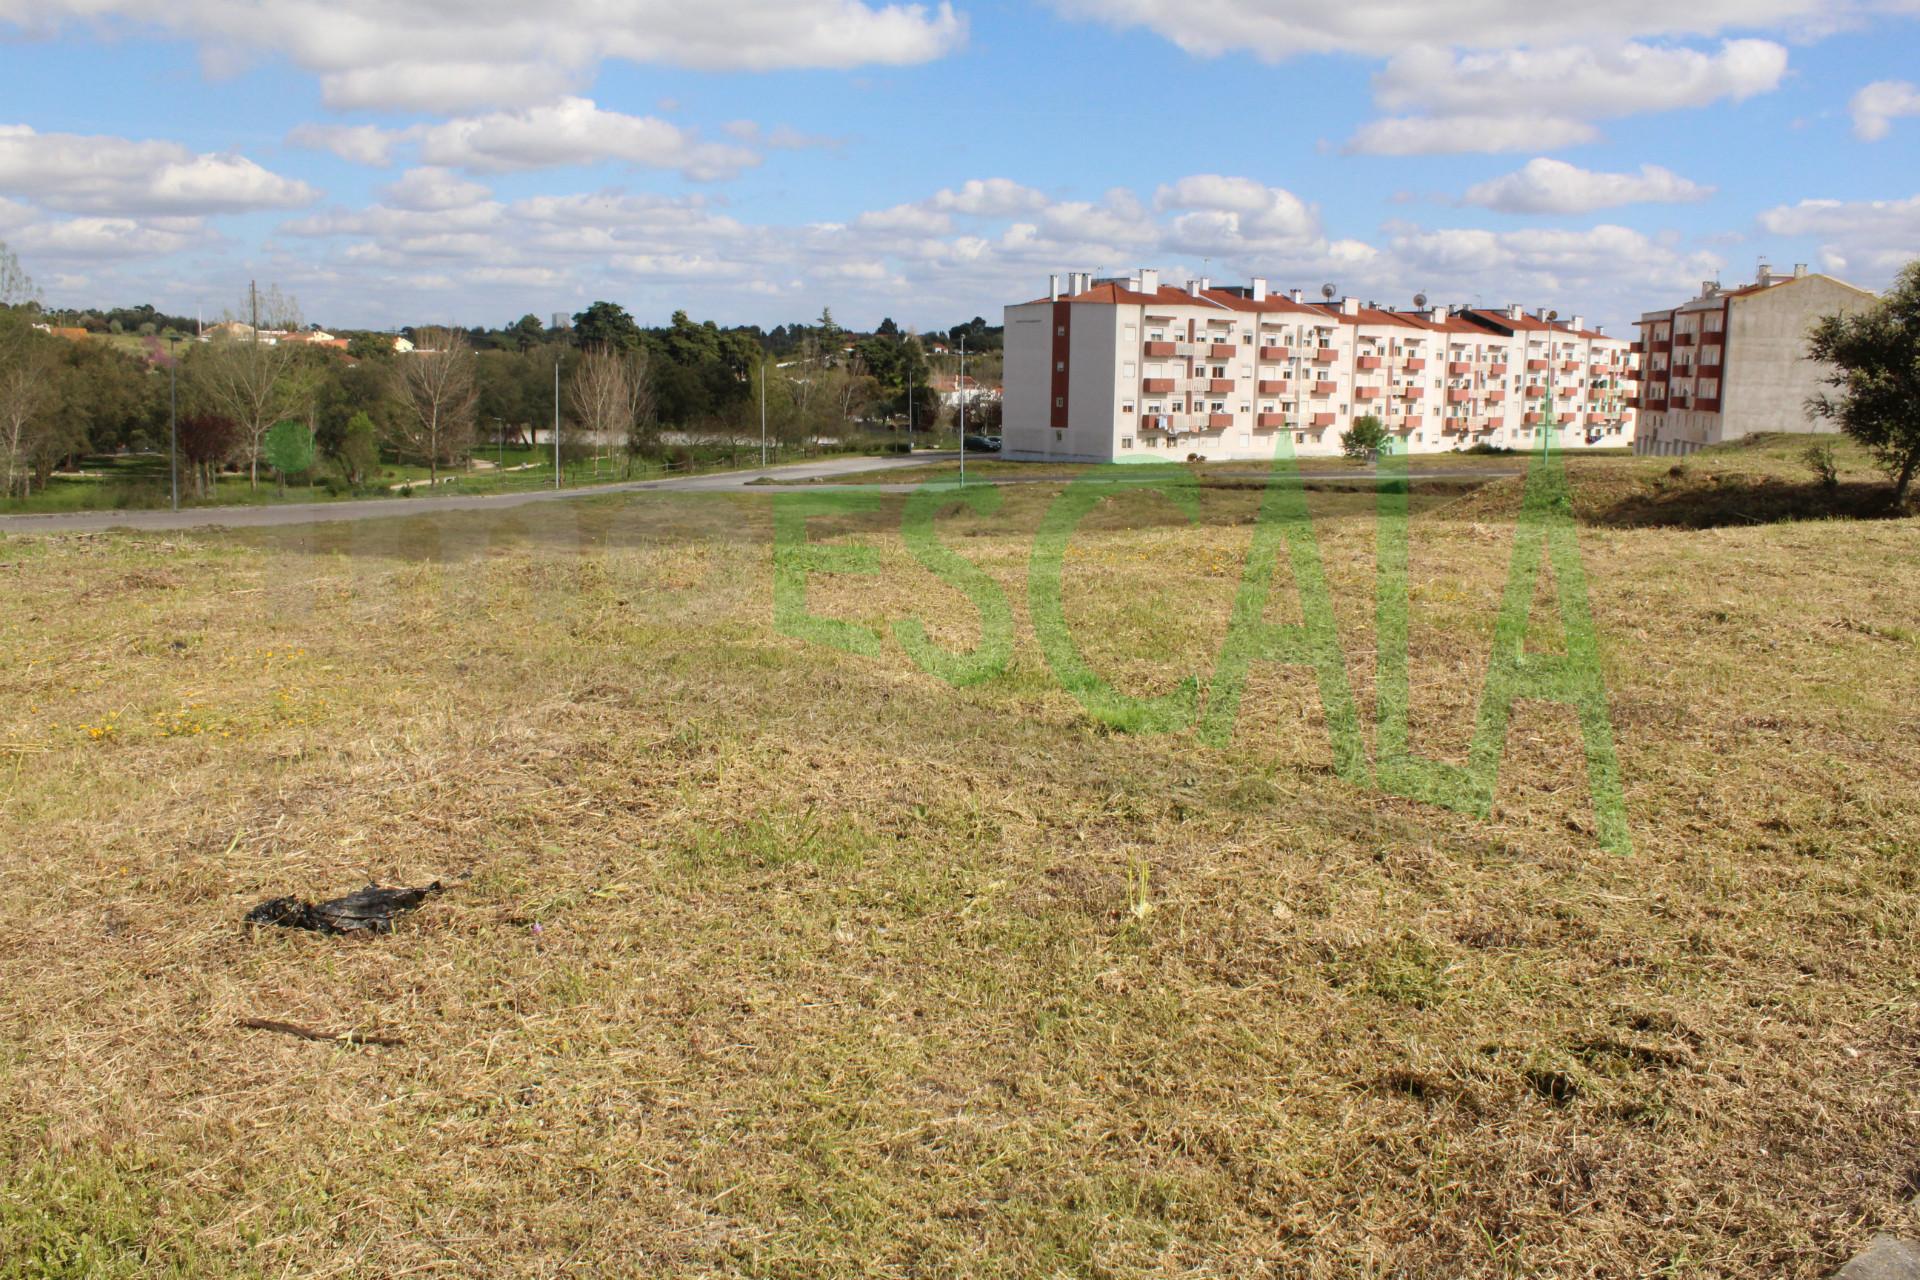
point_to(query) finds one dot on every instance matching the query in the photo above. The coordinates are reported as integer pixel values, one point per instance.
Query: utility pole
(963, 410)
(763, 408)
(556, 418)
(253, 299)
(909, 408)
(173, 415)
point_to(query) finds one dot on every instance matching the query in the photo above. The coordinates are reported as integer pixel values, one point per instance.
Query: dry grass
(843, 972)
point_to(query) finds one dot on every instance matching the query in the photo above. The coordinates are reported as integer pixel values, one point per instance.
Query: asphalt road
(799, 476)
(293, 513)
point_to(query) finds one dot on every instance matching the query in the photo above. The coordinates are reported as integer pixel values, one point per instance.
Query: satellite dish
(1553, 315)
(1326, 291)
(1419, 299)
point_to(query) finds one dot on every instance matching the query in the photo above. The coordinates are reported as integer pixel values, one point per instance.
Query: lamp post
(557, 360)
(763, 408)
(962, 390)
(173, 416)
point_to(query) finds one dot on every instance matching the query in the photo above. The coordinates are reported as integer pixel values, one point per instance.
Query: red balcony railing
(1497, 371)
(1458, 395)
(1366, 393)
(1271, 420)
(1415, 364)
(1276, 353)
(1221, 351)
(1458, 368)
(1325, 355)
(1367, 362)
(1682, 339)
(1156, 386)
(1324, 388)
(1273, 386)
(1536, 366)
(1219, 386)
(1413, 393)
(1322, 419)
(1159, 348)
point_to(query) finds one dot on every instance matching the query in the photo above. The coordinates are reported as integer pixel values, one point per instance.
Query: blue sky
(756, 160)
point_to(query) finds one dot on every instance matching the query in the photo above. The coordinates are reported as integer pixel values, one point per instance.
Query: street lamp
(173, 416)
(962, 388)
(557, 360)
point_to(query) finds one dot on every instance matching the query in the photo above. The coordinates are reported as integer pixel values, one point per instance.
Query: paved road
(795, 477)
(291, 513)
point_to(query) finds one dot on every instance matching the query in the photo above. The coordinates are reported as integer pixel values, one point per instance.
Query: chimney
(1799, 271)
(1349, 306)
(1514, 311)
(1765, 275)
(1578, 323)
(1149, 280)
(1296, 296)
(1438, 315)
(1709, 287)
(1259, 289)
(1195, 286)
(1053, 287)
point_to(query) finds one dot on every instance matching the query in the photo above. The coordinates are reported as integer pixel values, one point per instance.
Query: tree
(611, 393)
(289, 449)
(605, 324)
(1875, 355)
(16, 286)
(1366, 436)
(29, 389)
(206, 440)
(527, 332)
(359, 453)
(252, 382)
(436, 383)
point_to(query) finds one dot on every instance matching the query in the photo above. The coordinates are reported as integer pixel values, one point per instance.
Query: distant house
(233, 330)
(71, 334)
(951, 389)
(401, 344)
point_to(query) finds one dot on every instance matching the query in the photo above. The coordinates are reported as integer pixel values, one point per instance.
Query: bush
(1484, 447)
(1820, 457)
(1367, 435)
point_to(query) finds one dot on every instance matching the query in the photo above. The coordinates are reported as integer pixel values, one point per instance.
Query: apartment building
(1733, 362)
(1128, 368)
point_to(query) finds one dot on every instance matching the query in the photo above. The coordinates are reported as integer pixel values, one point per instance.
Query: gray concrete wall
(1767, 377)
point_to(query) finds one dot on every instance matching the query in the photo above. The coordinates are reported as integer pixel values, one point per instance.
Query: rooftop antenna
(1326, 291)
(1420, 301)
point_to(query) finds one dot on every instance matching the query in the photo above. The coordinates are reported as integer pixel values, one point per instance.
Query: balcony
(1221, 351)
(1217, 421)
(1411, 422)
(1220, 386)
(1535, 392)
(1678, 400)
(1366, 393)
(1159, 348)
(1325, 355)
(1536, 366)
(1458, 395)
(1531, 419)
(1682, 339)
(1497, 371)
(1496, 396)
(1707, 404)
(1594, 419)
(1413, 393)
(1638, 348)
(1324, 388)
(1270, 420)
(1366, 362)
(1659, 346)
(1414, 364)
(1322, 419)
(1458, 368)
(1713, 338)
(1156, 386)
(1273, 387)
(1276, 353)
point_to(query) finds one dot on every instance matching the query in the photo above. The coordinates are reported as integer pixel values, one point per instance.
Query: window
(1059, 366)
(1246, 340)
(1153, 408)
(1219, 406)
(1126, 442)
(1219, 371)
(1060, 331)
(1059, 402)
(1127, 370)
(1127, 407)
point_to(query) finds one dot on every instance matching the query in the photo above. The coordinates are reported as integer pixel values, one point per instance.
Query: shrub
(1365, 437)
(1819, 456)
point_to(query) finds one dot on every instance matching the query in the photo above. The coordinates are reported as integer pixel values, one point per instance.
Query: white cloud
(989, 198)
(118, 176)
(1584, 83)
(574, 131)
(1866, 241)
(1543, 98)
(379, 53)
(1876, 106)
(1276, 30)
(1447, 135)
(89, 239)
(361, 143)
(432, 190)
(1554, 186)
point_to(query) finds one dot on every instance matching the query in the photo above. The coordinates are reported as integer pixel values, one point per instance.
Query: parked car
(982, 444)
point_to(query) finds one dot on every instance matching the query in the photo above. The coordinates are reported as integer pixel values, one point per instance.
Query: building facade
(1734, 362)
(1121, 369)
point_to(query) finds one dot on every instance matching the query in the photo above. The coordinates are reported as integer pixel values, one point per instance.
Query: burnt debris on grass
(368, 910)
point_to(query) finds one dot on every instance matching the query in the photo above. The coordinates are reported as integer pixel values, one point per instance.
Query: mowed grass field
(759, 958)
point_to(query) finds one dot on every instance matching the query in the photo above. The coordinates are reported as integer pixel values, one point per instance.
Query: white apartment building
(1733, 362)
(1121, 369)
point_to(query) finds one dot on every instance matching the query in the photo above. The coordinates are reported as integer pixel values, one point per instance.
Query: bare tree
(611, 393)
(436, 383)
(255, 384)
(857, 387)
(16, 286)
(28, 391)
